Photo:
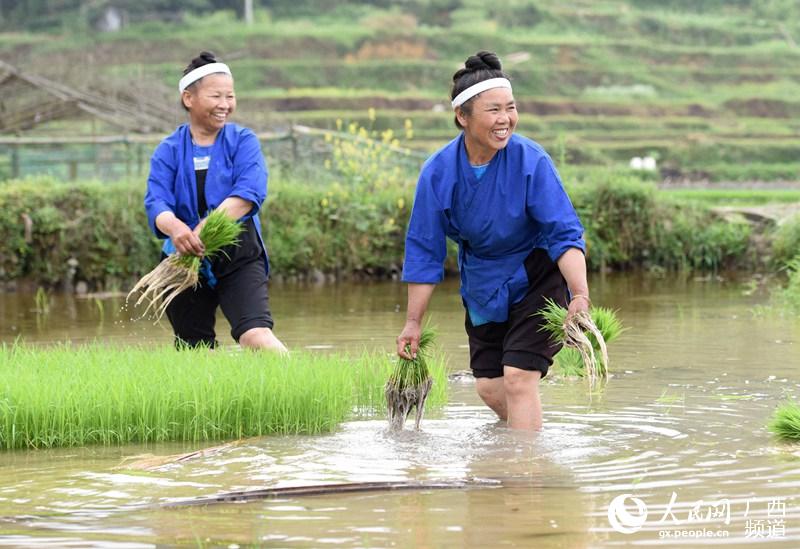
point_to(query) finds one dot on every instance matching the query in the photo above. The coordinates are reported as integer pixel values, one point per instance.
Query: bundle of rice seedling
(785, 422)
(409, 384)
(584, 337)
(177, 273)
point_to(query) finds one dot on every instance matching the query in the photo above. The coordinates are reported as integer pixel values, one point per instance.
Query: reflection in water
(679, 426)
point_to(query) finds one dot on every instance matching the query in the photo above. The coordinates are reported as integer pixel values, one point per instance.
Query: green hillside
(710, 88)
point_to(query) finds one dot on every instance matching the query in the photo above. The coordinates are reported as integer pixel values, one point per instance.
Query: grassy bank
(99, 395)
(57, 234)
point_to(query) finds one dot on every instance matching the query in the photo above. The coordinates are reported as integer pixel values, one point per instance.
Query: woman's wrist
(166, 222)
(585, 297)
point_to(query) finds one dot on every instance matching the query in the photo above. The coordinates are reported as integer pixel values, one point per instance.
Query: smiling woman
(206, 165)
(209, 103)
(498, 196)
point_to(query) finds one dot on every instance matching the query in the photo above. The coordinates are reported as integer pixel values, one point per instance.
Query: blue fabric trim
(201, 156)
(480, 170)
(476, 318)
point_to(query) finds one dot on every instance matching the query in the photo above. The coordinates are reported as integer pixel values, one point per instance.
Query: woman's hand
(199, 228)
(409, 337)
(579, 303)
(186, 240)
(418, 297)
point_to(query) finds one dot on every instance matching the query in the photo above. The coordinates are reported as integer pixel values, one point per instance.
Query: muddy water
(677, 436)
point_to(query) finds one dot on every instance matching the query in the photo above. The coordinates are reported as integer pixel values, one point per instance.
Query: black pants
(520, 340)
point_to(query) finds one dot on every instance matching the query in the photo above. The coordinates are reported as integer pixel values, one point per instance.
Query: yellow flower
(324, 202)
(371, 114)
(327, 163)
(339, 124)
(408, 125)
(401, 203)
(328, 138)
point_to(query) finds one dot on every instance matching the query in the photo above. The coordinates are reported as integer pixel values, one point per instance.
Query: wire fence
(115, 157)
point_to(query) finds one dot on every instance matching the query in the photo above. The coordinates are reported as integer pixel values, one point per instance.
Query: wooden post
(14, 161)
(127, 159)
(72, 164)
(94, 150)
(295, 151)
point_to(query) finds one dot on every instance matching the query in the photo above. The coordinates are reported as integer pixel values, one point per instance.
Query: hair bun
(483, 60)
(207, 56)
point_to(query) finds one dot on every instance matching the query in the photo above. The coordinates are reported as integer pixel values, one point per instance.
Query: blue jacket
(519, 204)
(237, 168)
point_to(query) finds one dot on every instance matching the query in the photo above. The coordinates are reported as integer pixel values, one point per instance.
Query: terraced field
(712, 90)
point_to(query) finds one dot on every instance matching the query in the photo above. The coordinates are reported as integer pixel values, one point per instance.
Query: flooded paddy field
(673, 452)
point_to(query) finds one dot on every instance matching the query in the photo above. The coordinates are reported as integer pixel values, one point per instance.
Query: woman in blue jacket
(499, 197)
(211, 164)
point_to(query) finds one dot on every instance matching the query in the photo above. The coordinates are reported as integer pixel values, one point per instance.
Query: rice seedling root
(163, 284)
(401, 400)
(575, 336)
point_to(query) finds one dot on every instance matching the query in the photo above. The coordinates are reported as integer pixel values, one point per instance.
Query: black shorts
(518, 341)
(241, 292)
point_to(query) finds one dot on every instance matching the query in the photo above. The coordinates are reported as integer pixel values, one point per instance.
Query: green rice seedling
(42, 301)
(177, 273)
(568, 362)
(584, 339)
(101, 308)
(409, 384)
(70, 395)
(785, 422)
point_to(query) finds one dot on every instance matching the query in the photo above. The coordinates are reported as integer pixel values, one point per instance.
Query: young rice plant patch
(77, 395)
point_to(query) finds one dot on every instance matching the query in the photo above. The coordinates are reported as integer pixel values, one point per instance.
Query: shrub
(786, 241)
(629, 225)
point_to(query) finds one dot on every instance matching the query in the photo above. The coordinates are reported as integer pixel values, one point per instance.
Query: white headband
(200, 72)
(480, 87)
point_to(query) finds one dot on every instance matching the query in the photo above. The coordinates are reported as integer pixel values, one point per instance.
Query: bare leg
(261, 338)
(492, 391)
(522, 398)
